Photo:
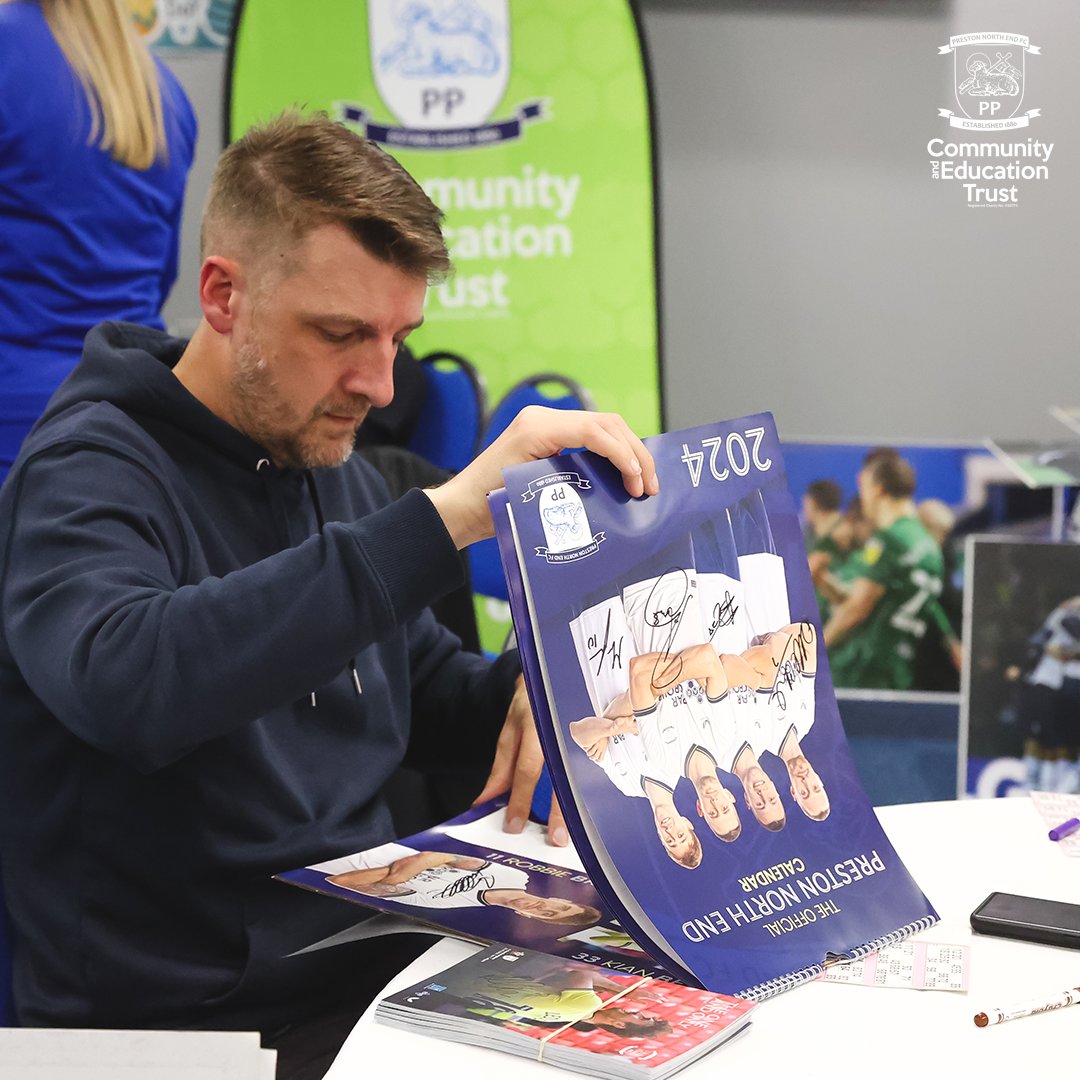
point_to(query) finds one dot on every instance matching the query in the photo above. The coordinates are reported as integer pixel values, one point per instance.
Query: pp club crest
(440, 64)
(441, 67)
(562, 516)
(989, 78)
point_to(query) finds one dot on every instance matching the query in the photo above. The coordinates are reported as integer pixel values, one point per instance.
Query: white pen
(1028, 1008)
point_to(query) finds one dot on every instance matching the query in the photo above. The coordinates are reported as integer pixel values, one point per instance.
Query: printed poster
(1020, 708)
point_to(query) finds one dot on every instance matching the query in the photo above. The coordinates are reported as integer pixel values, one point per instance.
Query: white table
(958, 852)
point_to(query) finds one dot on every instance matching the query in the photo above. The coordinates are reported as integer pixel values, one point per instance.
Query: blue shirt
(83, 238)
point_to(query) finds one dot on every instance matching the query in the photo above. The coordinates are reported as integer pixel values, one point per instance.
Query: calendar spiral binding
(893, 938)
(772, 987)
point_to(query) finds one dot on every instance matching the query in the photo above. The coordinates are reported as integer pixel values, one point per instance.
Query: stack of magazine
(568, 1014)
(672, 651)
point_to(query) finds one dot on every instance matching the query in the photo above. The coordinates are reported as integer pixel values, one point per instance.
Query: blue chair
(448, 430)
(550, 389)
(556, 392)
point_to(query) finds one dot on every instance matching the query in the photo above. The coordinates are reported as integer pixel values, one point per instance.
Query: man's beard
(264, 415)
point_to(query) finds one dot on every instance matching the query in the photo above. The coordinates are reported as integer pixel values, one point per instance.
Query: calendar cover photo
(673, 655)
(568, 1013)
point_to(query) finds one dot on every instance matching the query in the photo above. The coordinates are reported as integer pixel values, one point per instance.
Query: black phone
(1049, 922)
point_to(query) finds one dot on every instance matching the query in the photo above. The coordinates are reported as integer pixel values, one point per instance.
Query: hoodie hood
(130, 368)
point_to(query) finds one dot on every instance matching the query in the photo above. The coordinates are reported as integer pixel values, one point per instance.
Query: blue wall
(939, 469)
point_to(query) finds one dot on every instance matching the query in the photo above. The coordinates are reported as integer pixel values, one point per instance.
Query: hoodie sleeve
(100, 618)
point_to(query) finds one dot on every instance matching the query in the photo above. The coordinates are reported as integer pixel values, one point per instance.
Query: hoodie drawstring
(321, 521)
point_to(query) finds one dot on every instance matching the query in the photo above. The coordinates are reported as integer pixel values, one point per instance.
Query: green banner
(527, 122)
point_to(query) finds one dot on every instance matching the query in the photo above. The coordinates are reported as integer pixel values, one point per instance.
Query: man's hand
(533, 434)
(518, 761)
(956, 652)
(591, 733)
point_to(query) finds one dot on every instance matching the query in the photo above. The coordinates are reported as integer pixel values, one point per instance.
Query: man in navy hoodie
(216, 643)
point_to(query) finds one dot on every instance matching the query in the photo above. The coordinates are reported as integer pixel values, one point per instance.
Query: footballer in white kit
(614, 747)
(664, 618)
(443, 879)
(792, 653)
(604, 646)
(761, 570)
(733, 745)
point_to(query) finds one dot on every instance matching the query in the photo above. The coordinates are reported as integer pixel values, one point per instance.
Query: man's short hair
(825, 495)
(588, 916)
(777, 825)
(879, 453)
(895, 475)
(692, 859)
(286, 177)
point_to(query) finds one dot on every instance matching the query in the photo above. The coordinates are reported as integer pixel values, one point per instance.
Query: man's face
(676, 832)
(717, 805)
(622, 1019)
(762, 797)
(813, 515)
(807, 788)
(313, 350)
(539, 907)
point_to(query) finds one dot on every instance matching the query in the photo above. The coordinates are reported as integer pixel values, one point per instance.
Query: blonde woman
(96, 139)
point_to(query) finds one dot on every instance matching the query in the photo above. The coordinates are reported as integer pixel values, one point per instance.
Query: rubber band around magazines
(607, 1004)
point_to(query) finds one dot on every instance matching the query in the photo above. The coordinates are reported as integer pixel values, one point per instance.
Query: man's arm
(142, 650)
(854, 611)
(591, 733)
(651, 674)
(645, 670)
(950, 642)
(832, 588)
(401, 870)
(702, 664)
(818, 561)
